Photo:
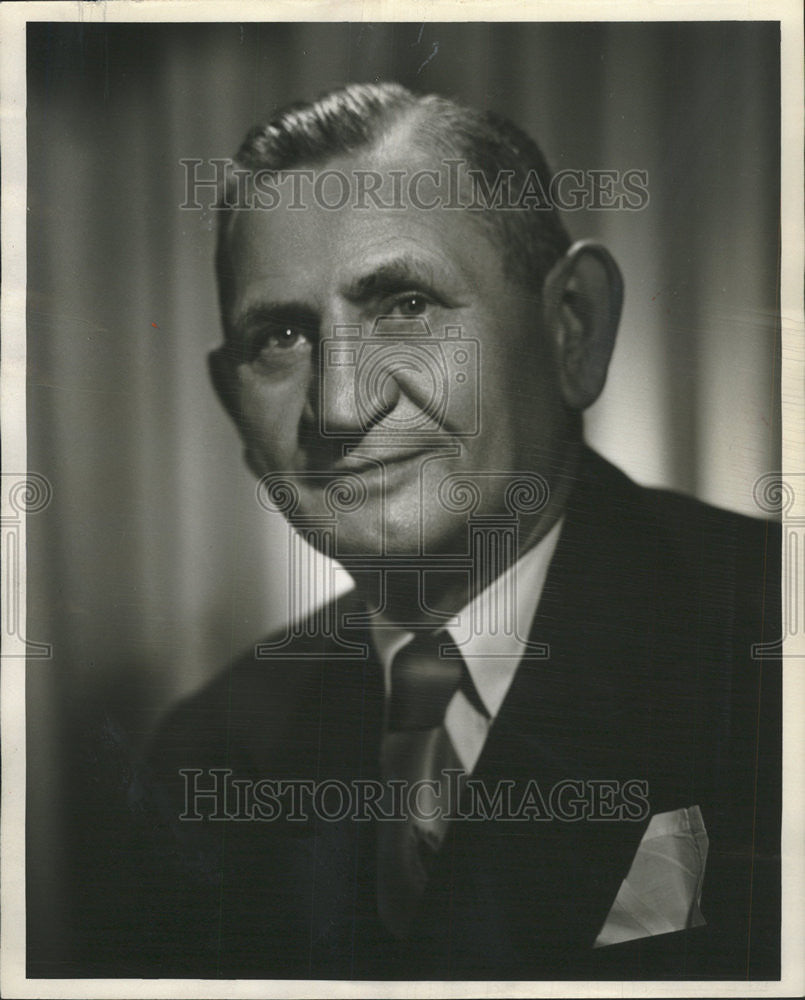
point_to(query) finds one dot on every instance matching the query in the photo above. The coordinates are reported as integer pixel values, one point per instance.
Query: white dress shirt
(491, 633)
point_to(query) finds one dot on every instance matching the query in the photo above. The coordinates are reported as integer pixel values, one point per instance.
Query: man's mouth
(365, 459)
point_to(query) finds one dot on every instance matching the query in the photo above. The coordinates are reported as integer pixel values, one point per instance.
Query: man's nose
(356, 390)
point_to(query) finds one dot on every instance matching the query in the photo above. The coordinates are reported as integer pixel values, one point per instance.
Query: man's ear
(582, 298)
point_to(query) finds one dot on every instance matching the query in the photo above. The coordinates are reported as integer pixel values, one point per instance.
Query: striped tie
(416, 748)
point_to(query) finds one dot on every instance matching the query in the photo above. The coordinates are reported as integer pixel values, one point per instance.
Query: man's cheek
(271, 426)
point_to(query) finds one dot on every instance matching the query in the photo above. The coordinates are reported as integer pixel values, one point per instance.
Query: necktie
(416, 749)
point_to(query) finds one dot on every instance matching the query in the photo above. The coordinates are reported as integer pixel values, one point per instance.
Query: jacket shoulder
(688, 532)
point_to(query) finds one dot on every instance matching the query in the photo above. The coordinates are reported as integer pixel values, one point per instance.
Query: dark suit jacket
(650, 609)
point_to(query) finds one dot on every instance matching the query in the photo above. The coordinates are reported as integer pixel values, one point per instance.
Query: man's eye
(413, 304)
(281, 338)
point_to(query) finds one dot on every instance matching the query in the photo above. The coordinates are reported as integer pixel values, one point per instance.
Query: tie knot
(423, 681)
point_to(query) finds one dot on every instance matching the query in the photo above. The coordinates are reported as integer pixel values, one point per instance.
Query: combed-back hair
(356, 117)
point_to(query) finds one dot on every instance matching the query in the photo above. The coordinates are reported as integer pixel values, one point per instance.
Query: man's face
(388, 346)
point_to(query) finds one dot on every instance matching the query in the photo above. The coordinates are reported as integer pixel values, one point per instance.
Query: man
(556, 661)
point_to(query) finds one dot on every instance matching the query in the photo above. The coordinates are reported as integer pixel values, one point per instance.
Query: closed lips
(359, 463)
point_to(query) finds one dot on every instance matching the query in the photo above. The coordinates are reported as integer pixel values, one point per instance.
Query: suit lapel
(580, 717)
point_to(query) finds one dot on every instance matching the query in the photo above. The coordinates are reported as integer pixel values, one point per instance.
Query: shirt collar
(491, 630)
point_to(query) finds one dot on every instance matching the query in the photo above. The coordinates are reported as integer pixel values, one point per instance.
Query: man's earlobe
(582, 299)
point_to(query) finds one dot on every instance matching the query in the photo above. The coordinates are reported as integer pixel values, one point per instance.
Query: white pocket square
(663, 889)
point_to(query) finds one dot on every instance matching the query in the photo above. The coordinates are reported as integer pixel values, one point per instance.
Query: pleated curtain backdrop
(154, 564)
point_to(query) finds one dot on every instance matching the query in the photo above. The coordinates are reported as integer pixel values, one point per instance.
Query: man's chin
(370, 530)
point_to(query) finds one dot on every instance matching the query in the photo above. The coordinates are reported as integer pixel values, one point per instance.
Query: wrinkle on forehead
(281, 245)
(439, 238)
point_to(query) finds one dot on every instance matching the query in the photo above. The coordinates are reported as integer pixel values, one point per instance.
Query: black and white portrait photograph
(403, 500)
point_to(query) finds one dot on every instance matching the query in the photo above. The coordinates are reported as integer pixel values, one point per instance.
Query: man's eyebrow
(397, 275)
(261, 313)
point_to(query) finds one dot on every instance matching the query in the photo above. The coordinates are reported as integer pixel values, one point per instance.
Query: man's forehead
(338, 221)
(359, 263)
